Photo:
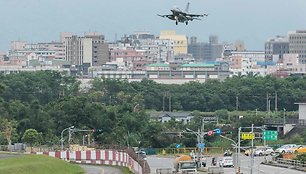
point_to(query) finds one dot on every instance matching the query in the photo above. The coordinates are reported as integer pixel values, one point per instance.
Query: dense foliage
(49, 102)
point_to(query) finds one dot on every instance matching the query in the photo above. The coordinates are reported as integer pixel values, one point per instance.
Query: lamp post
(200, 138)
(62, 134)
(198, 134)
(237, 153)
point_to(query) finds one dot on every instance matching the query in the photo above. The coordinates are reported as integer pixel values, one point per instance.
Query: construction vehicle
(184, 164)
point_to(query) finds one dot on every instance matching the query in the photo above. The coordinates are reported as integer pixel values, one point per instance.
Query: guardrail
(294, 163)
(173, 151)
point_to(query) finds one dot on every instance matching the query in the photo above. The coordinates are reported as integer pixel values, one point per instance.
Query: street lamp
(200, 140)
(237, 153)
(62, 138)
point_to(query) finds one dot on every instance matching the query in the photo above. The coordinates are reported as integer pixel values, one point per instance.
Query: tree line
(49, 101)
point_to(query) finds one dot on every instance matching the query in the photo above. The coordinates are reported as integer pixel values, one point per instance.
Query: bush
(301, 157)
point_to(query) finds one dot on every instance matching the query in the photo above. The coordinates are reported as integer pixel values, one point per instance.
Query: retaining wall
(108, 157)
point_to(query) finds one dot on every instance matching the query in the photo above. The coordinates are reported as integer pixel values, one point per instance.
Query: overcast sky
(253, 21)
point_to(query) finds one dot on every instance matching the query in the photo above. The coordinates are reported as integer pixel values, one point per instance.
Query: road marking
(102, 171)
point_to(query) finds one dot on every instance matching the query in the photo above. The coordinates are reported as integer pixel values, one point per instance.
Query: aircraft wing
(165, 16)
(196, 15)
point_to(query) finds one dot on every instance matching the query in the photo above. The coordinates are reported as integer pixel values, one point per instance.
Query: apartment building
(246, 62)
(90, 50)
(275, 48)
(205, 52)
(297, 44)
(179, 41)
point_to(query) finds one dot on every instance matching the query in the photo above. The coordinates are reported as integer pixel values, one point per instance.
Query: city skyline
(252, 21)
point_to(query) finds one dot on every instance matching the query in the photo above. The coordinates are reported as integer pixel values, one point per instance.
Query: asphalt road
(96, 169)
(8, 155)
(157, 162)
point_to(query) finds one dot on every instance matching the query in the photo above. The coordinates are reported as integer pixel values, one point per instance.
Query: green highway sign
(269, 135)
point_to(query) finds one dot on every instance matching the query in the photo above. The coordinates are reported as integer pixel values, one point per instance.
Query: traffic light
(96, 130)
(226, 133)
(210, 132)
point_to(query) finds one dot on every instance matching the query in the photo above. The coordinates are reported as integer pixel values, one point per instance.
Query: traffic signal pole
(238, 155)
(252, 151)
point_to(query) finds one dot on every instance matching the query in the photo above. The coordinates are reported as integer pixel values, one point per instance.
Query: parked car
(287, 148)
(142, 154)
(261, 151)
(248, 151)
(299, 149)
(226, 161)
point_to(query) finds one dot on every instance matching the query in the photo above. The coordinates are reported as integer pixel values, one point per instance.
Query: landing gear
(176, 22)
(186, 22)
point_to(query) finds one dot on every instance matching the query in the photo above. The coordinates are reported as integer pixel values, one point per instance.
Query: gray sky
(253, 21)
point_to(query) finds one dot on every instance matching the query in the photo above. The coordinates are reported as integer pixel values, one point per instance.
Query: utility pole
(169, 103)
(200, 140)
(237, 102)
(267, 102)
(164, 102)
(238, 155)
(252, 151)
(275, 101)
(284, 119)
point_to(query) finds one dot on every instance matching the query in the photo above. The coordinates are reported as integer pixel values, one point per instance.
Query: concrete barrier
(107, 157)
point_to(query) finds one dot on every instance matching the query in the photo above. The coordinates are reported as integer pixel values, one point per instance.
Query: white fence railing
(294, 163)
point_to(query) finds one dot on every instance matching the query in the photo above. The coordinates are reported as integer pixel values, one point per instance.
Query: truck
(184, 164)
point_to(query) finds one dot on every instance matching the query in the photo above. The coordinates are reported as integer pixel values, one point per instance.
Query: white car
(286, 148)
(142, 154)
(263, 151)
(226, 161)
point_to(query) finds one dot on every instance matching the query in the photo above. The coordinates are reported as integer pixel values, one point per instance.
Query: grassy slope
(37, 164)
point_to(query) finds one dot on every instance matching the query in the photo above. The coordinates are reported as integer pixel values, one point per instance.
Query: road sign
(217, 131)
(269, 135)
(178, 145)
(209, 133)
(247, 136)
(201, 145)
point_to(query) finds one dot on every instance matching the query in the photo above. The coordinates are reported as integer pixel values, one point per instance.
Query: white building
(245, 62)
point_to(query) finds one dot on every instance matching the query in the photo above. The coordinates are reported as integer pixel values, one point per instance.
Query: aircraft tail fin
(187, 7)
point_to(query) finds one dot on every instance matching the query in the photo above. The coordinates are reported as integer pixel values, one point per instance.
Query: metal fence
(173, 151)
(293, 163)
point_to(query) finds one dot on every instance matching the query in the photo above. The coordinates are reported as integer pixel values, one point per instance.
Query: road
(8, 155)
(95, 169)
(157, 162)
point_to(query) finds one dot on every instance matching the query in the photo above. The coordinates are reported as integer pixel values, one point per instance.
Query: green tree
(8, 127)
(31, 137)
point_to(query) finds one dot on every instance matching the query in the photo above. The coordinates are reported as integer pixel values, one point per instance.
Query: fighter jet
(182, 16)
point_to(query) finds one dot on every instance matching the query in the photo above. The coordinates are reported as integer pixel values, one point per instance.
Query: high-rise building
(63, 35)
(275, 48)
(100, 50)
(179, 41)
(90, 50)
(205, 52)
(297, 44)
